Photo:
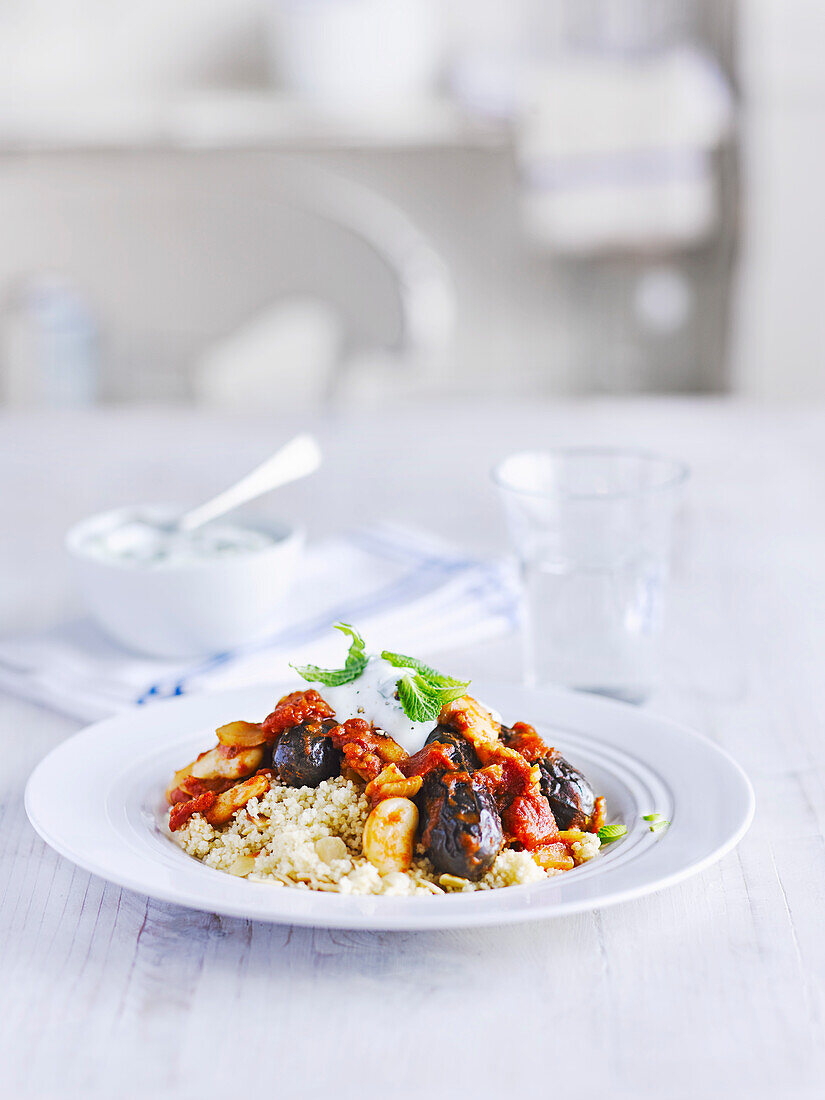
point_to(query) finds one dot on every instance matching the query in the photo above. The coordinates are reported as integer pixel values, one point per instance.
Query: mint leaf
(437, 679)
(357, 649)
(449, 694)
(329, 677)
(423, 691)
(608, 833)
(400, 660)
(655, 821)
(419, 701)
(354, 665)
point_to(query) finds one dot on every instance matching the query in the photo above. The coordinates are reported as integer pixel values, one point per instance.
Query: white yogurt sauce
(139, 542)
(372, 697)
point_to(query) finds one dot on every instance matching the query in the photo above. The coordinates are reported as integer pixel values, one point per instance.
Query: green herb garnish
(655, 821)
(422, 691)
(608, 833)
(354, 665)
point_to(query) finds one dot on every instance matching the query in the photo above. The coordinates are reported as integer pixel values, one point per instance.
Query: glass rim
(679, 472)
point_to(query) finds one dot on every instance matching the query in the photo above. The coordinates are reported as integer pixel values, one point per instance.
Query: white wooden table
(714, 988)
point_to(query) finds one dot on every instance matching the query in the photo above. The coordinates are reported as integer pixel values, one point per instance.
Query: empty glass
(592, 529)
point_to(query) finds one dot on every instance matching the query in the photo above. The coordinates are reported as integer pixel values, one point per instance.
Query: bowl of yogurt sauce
(171, 593)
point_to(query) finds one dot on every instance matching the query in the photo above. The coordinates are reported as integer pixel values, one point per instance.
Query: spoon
(296, 459)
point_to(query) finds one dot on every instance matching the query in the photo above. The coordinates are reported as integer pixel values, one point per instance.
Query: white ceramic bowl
(186, 609)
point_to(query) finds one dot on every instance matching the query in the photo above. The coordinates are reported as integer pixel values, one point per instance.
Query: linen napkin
(404, 590)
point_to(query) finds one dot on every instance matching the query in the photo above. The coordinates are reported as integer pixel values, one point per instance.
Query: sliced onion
(243, 735)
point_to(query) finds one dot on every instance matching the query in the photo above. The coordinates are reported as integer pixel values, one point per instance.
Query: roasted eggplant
(571, 797)
(305, 756)
(459, 749)
(460, 826)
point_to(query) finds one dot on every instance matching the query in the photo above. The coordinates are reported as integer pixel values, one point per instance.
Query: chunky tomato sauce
(182, 811)
(433, 757)
(191, 787)
(528, 821)
(365, 751)
(526, 816)
(524, 739)
(295, 708)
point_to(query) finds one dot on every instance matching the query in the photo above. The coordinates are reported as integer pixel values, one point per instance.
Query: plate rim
(422, 916)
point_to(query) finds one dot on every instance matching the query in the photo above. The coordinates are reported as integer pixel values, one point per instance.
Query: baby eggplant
(459, 749)
(460, 826)
(570, 796)
(305, 756)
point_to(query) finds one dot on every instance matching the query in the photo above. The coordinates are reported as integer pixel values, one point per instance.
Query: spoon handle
(296, 459)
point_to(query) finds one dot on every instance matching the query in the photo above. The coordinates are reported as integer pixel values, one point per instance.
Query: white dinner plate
(98, 800)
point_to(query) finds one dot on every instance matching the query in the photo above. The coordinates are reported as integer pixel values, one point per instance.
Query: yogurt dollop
(373, 697)
(141, 542)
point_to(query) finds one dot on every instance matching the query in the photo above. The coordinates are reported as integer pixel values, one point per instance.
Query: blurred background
(301, 203)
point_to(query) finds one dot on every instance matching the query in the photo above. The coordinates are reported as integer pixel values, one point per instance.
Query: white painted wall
(70, 47)
(779, 334)
(176, 249)
(173, 253)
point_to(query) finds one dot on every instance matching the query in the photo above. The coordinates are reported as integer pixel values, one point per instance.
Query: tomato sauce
(528, 821)
(295, 708)
(526, 816)
(526, 741)
(182, 811)
(364, 750)
(433, 757)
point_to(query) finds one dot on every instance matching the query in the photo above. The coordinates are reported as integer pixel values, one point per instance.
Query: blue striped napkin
(405, 590)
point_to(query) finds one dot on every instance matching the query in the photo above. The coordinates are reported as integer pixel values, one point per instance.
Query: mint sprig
(400, 660)
(354, 665)
(609, 833)
(655, 821)
(422, 691)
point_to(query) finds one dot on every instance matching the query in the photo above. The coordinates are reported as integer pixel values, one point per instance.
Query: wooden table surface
(712, 988)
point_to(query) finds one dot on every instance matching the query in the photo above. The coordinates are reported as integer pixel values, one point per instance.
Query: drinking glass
(592, 529)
